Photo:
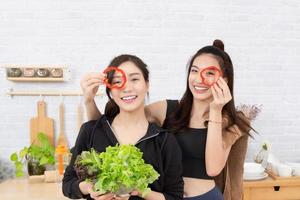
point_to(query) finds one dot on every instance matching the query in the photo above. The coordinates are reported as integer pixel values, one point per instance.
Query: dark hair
(111, 108)
(180, 119)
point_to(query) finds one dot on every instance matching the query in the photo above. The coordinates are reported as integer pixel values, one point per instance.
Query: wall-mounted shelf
(34, 79)
(37, 73)
(47, 93)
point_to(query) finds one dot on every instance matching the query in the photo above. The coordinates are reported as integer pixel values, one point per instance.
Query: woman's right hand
(98, 196)
(90, 83)
(87, 188)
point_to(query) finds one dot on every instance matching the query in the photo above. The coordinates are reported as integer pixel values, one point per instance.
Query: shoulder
(88, 127)
(156, 111)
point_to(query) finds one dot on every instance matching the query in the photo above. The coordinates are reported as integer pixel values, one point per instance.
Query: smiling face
(199, 89)
(132, 96)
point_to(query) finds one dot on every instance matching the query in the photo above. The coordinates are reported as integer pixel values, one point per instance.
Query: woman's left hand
(221, 94)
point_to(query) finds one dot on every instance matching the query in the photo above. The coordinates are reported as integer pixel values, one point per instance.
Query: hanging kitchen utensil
(41, 123)
(62, 139)
(79, 114)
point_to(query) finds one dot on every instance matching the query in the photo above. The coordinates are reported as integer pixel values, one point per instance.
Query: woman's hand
(87, 188)
(90, 83)
(121, 198)
(221, 94)
(98, 196)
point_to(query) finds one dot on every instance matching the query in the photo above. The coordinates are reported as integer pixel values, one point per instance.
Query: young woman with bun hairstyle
(212, 134)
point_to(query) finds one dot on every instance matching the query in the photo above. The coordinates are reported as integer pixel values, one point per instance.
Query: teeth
(128, 98)
(200, 88)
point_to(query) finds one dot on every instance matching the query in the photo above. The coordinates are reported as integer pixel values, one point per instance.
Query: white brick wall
(262, 37)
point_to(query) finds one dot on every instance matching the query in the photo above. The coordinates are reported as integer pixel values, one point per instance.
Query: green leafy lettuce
(120, 169)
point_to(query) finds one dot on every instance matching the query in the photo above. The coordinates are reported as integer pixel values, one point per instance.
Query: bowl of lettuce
(119, 170)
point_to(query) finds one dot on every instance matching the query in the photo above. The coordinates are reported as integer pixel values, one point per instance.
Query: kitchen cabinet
(270, 189)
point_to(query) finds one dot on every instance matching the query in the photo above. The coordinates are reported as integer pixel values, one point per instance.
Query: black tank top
(192, 142)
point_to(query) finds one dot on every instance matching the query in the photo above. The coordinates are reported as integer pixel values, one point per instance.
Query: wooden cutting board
(62, 139)
(41, 123)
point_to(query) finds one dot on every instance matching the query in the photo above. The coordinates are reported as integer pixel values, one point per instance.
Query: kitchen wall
(262, 37)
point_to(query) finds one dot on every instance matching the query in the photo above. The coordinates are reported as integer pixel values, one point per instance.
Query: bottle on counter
(61, 158)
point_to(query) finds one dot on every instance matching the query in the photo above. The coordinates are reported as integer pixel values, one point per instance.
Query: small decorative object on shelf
(28, 72)
(14, 72)
(56, 72)
(42, 73)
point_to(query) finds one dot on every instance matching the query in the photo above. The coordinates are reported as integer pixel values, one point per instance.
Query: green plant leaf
(23, 152)
(19, 173)
(43, 161)
(14, 157)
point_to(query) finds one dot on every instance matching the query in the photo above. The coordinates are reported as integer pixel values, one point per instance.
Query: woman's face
(132, 96)
(200, 90)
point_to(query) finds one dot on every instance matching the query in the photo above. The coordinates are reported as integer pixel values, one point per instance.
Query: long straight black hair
(180, 119)
(111, 108)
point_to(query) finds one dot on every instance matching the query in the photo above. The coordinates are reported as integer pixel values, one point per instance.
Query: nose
(127, 87)
(197, 78)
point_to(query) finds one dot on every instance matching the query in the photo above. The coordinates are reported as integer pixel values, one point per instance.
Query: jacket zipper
(156, 134)
(147, 138)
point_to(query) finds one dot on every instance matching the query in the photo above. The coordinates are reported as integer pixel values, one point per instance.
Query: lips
(129, 99)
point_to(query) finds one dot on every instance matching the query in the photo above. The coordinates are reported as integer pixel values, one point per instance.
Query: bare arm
(216, 153)
(156, 112)
(90, 83)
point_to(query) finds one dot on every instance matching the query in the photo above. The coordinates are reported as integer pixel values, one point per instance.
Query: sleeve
(172, 164)
(70, 182)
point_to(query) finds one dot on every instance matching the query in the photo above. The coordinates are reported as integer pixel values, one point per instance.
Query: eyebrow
(194, 66)
(135, 73)
(131, 74)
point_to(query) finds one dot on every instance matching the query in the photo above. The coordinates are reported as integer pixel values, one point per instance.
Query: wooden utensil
(62, 140)
(41, 123)
(79, 116)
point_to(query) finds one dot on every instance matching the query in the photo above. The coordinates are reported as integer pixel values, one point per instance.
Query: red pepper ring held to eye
(115, 86)
(210, 75)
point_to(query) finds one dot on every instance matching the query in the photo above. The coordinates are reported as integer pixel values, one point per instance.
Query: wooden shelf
(35, 79)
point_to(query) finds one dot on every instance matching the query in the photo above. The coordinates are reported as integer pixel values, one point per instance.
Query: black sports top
(192, 142)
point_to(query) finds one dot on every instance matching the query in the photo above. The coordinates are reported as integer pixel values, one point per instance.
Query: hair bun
(219, 44)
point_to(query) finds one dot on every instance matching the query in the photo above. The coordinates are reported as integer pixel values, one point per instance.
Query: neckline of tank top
(194, 130)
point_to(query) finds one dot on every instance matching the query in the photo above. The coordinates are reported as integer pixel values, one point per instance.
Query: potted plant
(37, 157)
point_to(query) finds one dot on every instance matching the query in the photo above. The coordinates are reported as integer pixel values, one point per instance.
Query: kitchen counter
(268, 189)
(22, 189)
